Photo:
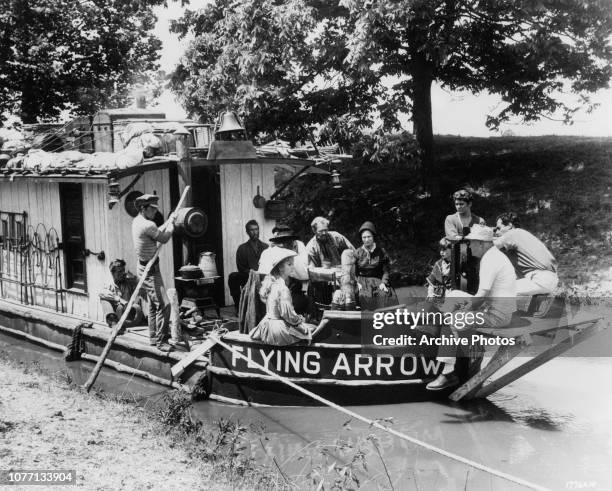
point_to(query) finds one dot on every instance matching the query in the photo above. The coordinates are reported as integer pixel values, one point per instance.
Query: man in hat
(535, 265)
(457, 225)
(326, 247)
(247, 259)
(115, 297)
(146, 236)
(495, 300)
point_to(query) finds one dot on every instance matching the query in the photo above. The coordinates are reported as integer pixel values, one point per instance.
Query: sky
(454, 113)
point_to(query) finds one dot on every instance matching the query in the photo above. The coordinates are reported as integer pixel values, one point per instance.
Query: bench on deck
(565, 333)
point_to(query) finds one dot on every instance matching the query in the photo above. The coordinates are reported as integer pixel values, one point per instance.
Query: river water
(552, 427)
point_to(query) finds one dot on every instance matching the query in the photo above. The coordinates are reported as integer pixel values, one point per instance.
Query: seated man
(326, 247)
(117, 294)
(495, 299)
(247, 259)
(324, 258)
(536, 267)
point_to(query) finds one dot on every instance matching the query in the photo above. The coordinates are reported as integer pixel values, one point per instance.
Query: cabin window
(71, 199)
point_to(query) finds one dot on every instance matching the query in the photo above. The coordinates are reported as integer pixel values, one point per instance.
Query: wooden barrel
(208, 264)
(191, 222)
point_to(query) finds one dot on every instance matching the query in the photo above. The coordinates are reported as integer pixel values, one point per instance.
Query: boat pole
(94, 375)
(376, 424)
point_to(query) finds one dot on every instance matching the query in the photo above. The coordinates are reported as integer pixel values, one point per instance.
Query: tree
(278, 63)
(58, 55)
(527, 51)
(286, 64)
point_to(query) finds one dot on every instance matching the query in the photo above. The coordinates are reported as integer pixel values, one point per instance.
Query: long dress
(372, 269)
(281, 325)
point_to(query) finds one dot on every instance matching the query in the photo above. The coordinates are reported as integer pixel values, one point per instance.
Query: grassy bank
(113, 442)
(560, 186)
(46, 422)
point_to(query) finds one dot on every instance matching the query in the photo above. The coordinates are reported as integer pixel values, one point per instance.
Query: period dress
(372, 268)
(281, 326)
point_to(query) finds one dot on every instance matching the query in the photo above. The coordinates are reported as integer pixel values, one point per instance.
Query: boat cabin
(65, 215)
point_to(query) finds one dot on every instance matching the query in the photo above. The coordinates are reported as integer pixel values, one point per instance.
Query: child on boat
(439, 280)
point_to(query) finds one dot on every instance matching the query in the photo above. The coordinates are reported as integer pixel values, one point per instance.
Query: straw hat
(272, 257)
(480, 232)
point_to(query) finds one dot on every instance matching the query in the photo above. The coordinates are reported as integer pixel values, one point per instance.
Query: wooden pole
(94, 375)
(184, 180)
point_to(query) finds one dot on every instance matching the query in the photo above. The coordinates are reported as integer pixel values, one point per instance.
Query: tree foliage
(280, 64)
(286, 64)
(77, 55)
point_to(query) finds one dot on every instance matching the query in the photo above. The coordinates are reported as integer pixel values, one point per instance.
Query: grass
(223, 450)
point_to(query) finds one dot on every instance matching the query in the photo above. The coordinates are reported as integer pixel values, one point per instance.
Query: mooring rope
(380, 426)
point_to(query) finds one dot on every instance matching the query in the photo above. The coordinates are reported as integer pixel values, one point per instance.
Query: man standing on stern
(146, 236)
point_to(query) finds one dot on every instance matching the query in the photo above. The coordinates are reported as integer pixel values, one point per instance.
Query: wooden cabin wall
(105, 230)
(238, 188)
(40, 199)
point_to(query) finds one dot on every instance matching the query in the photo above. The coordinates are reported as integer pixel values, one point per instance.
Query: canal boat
(64, 217)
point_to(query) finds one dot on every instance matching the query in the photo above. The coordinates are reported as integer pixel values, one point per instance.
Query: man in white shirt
(495, 299)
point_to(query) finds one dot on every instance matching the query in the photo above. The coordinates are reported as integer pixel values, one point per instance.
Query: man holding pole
(146, 236)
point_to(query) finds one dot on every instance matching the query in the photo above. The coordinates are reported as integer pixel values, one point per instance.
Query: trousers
(159, 306)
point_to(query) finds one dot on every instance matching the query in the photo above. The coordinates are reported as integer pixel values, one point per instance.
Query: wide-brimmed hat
(147, 199)
(283, 234)
(272, 257)
(367, 226)
(480, 232)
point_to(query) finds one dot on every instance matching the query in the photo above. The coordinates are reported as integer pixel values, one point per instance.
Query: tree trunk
(421, 113)
(29, 104)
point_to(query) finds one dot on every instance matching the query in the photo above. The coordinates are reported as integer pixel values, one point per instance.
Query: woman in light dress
(281, 325)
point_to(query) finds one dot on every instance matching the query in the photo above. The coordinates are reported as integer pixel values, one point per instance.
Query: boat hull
(339, 369)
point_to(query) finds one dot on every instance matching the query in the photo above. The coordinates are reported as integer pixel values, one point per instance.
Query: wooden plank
(547, 355)
(539, 326)
(192, 356)
(502, 356)
(231, 217)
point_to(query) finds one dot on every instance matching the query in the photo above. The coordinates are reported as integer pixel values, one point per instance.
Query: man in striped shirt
(146, 236)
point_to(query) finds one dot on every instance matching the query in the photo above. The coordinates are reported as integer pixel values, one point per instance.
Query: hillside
(560, 186)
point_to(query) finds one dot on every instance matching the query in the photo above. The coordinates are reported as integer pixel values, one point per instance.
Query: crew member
(115, 297)
(146, 236)
(325, 248)
(535, 265)
(247, 259)
(495, 299)
(458, 225)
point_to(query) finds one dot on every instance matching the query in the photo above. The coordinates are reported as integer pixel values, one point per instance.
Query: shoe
(164, 348)
(179, 345)
(443, 382)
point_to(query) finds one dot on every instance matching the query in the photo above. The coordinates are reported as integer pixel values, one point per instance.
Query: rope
(77, 344)
(376, 424)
